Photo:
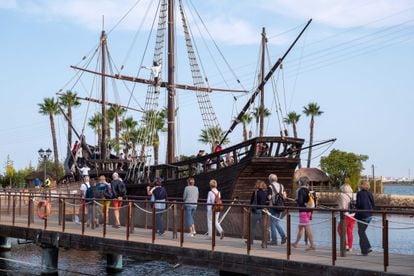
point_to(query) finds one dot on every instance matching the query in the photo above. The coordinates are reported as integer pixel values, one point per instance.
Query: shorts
(304, 218)
(116, 203)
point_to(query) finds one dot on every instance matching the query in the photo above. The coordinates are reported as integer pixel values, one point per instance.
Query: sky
(355, 61)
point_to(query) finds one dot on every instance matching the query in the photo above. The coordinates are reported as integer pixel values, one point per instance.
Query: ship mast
(103, 128)
(171, 85)
(262, 73)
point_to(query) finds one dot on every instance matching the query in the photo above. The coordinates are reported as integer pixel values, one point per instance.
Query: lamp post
(44, 154)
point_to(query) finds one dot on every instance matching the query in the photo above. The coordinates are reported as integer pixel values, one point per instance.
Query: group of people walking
(270, 196)
(108, 194)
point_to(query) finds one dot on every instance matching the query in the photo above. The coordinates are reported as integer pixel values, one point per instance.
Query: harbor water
(25, 259)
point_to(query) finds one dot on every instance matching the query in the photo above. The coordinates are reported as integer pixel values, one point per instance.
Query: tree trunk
(310, 142)
(295, 134)
(69, 147)
(55, 148)
(117, 130)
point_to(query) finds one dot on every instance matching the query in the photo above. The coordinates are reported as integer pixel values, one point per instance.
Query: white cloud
(344, 13)
(8, 4)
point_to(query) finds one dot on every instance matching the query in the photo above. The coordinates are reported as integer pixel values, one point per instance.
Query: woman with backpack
(212, 197)
(302, 199)
(345, 198)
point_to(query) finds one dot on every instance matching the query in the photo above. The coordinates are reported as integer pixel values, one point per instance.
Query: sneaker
(161, 233)
(117, 226)
(349, 249)
(194, 233)
(272, 243)
(369, 251)
(284, 240)
(189, 235)
(362, 254)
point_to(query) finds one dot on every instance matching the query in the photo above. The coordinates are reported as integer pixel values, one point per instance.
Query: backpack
(88, 192)
(108, 192)
(218, 203)
(277, 197)
(352, 204)
(311, 200)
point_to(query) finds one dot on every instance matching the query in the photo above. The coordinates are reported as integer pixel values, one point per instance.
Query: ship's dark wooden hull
(238, 179)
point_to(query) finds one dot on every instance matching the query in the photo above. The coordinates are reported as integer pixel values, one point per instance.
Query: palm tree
(95, 122)
(114, 113)
(69, 100)
(292, 119)
(245, 120)
(256, 114)
(311, 110)
(155, 122)
(211, 135)
(50, 107)
(128, 124)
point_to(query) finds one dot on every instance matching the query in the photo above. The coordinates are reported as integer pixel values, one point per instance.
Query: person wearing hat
(302, 197)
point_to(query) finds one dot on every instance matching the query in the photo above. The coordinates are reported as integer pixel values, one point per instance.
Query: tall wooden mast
(103, 50)
(171, 84)
(262, 75)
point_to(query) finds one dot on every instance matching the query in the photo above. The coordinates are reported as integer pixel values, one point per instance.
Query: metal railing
(19, 208)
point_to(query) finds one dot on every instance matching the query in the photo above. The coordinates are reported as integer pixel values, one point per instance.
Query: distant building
(319, 181)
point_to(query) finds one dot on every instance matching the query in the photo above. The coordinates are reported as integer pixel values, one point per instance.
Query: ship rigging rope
(218, 49)
(209, 117)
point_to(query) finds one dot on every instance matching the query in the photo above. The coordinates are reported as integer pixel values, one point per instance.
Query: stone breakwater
(380, 199)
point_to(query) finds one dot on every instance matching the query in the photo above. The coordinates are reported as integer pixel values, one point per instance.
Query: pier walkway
(19, 220)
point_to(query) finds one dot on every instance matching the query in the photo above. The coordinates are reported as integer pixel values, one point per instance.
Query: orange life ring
(43, 209)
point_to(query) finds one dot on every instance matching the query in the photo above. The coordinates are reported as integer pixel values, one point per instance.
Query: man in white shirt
(85, 170)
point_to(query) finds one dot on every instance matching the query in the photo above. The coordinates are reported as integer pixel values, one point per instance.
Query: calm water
(25, 259)
(399, 190)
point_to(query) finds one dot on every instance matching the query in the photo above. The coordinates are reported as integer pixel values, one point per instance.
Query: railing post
(333, 238)
(213, 228)
(105, 218)
(174, 219)
(265, 219)
(249, 230)
(14, 209)
(83, 217)
(29, 211)
(63, 214)
(8, 203)
(342, 234)
(385, 240)
(128, 222)
(60, 210)
(20, 204)
(0, 207)
(182, 225)
(146, 214)
(132, 225)
(288, 230)
(153, 223)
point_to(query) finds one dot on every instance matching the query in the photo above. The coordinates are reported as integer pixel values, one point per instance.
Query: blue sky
(355, 61)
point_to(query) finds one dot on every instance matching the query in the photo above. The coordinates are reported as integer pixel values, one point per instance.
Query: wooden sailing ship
(236, 168)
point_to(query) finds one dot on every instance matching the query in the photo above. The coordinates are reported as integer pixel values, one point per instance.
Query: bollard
(114, 263)
(50, 256)
(5, 244)
(182, 225)
(333, 238)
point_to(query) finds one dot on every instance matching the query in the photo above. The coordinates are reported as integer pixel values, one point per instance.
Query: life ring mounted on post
(43, 209)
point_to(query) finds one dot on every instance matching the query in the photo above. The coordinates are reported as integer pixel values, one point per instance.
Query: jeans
(159, 221)
(257, 217)
(189, 211)
(363, 239)
(275, 225)
(210, 222)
